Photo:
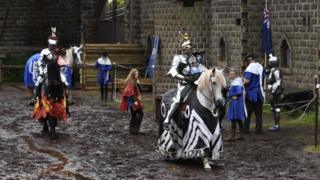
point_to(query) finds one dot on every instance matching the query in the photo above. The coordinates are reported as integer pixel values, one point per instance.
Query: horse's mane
(53, 72)
(204, 80)
(54, 83)
(69, 54)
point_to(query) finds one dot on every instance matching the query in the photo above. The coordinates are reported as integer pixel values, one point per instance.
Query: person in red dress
(131, 99)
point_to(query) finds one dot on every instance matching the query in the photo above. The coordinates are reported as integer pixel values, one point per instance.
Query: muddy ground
(95, 144)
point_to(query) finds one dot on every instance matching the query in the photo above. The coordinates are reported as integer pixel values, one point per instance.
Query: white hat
(53, 39)
(272, 58)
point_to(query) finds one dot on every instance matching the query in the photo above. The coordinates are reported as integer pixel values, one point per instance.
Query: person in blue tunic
(237, 110)
(29, 80)
(253, 83)
(104, 66)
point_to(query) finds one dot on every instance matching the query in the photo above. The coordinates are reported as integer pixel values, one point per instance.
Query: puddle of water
(53, 168)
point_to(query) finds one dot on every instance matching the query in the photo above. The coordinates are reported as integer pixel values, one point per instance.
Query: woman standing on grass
(131, 99)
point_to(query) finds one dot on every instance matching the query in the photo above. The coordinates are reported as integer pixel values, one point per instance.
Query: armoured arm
(77, 51)
(63, 78)
(41, 72)
(276, 85)
(35, 71)
(174, 68)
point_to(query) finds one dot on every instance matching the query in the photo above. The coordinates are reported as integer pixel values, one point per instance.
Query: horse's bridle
(212, 90)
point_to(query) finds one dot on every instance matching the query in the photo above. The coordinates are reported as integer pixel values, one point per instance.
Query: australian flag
(266, 33)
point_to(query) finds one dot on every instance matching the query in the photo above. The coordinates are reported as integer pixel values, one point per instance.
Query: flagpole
(265, 64)
(265, 53)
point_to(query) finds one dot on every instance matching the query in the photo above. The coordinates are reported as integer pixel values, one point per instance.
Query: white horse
(194, 128)
(70, 62)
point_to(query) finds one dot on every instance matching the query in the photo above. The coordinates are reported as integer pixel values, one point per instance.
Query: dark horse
(51, 103)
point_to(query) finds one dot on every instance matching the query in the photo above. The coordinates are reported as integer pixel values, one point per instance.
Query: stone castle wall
(227, 30)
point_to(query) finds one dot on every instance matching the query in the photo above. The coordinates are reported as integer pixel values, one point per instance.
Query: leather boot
(241, 137)
(232, 135)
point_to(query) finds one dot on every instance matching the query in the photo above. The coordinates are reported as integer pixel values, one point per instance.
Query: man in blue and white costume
(275, 90)
(104, 66)
(253, 82)
(185, 68)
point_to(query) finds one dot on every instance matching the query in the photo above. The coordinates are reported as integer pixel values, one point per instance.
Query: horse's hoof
(44, 132)
(31, 103)
(53, 136)
(70, 102)
(216, 164)
(206, 165)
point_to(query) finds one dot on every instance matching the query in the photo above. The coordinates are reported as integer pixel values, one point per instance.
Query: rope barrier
(304, 112)
(298, 102)
(301, 107)
(126, 67)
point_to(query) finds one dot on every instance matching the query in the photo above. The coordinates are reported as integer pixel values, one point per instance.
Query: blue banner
(266, 33)
(153, 57)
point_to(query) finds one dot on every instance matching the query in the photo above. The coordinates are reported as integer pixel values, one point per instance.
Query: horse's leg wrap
(52, 124)
(45, 128)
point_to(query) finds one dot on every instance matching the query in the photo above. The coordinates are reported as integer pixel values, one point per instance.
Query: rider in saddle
(46, 55)
(187, 69)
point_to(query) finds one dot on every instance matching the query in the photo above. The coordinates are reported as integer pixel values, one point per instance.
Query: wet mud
(95, 144)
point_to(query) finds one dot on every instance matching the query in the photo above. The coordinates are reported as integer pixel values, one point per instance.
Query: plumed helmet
(53, 39)
(272, 58)
(186, 44)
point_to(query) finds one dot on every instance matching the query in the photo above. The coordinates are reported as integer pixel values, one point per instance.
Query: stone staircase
(123, 56)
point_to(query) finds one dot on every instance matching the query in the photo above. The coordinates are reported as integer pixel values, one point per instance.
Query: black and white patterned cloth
(194, 132)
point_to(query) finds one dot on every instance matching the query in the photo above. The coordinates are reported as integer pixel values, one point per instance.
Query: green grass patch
(266, 108)
(308, 119)
(312, 149)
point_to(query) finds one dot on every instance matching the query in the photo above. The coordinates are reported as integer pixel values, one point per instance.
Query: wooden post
(265, 65)
(114, 96)
(114, 81)
(114, 20)
(316, 91)
(153, 87)
(265, 78)
(0, 73)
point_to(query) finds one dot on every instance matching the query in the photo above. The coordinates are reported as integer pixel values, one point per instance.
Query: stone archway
(285, 55)
(222, 52)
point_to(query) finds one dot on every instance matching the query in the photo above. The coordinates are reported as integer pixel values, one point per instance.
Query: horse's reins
(212, 101)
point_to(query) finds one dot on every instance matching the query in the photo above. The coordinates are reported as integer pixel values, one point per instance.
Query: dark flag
(266, 33)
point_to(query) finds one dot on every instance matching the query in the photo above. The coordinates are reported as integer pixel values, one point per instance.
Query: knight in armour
(186, 68)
